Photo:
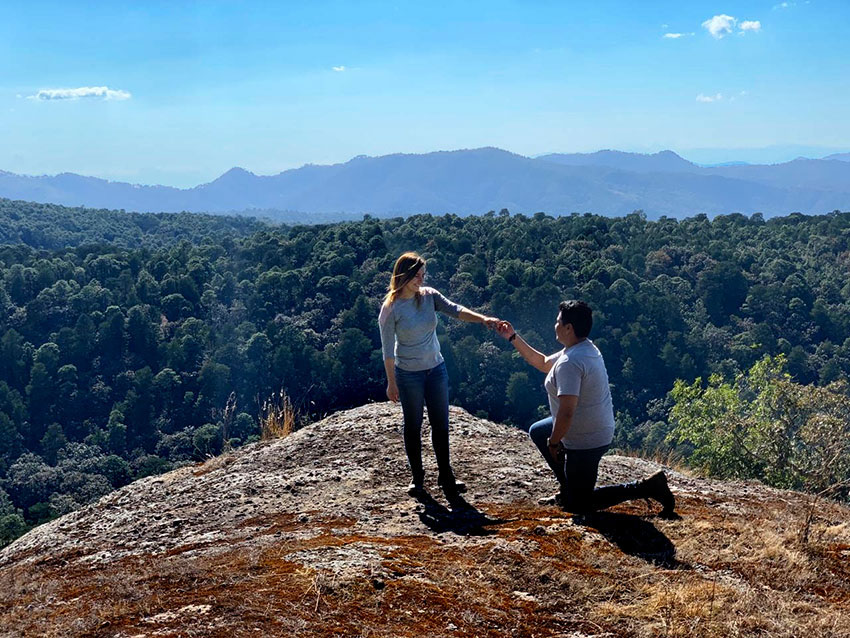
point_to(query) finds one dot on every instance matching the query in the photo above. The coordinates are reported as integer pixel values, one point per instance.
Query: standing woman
(416, 372)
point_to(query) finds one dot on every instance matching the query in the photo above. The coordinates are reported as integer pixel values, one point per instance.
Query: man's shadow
(634, 536)
(462, 519)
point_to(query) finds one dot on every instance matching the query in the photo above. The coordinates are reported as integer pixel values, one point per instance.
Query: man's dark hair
(577, 313)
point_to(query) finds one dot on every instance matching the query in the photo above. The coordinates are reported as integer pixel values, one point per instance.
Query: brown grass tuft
(277, 417)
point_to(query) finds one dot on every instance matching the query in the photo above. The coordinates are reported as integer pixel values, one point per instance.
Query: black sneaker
(556, 499)
(657, 489)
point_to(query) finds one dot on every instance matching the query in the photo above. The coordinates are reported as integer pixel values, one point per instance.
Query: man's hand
(505, 329)
(392, 392)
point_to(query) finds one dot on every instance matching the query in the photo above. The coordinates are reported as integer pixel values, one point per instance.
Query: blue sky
(193, 89)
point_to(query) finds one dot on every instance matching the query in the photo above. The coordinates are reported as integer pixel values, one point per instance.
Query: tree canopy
(122, 336)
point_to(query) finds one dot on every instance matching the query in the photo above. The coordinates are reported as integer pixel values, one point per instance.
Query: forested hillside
(118, 352)
(53, 227)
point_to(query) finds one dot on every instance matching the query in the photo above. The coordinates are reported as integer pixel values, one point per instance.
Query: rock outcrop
(314, 535)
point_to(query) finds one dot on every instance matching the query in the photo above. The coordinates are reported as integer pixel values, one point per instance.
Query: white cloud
(709, 98)
(338, 69)
(783, 5)
(102, 92)
(676, 36)
(720, 25)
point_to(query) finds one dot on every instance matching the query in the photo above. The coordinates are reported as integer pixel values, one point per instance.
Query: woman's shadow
(634, 536)
(462, 518)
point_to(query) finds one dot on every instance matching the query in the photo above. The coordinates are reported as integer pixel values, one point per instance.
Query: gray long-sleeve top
(409, 331)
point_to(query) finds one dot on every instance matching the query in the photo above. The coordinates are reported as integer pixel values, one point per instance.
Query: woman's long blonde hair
(404, 270)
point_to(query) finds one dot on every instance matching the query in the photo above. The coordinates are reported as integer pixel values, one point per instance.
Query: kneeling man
(581, 427)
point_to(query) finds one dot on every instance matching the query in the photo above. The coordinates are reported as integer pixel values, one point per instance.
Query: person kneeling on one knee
(581, 428)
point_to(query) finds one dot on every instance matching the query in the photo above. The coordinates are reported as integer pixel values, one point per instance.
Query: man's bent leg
(539, 433)
(583, 496)
(581, 469)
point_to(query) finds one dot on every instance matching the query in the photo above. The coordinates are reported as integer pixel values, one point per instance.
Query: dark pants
(576, 471)
(416, 390)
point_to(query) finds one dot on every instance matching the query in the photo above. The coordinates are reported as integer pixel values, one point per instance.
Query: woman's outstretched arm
(441, 304)
(474, 317)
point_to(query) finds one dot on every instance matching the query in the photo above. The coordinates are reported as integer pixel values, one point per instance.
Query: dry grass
(537, 575)
(277, 417)
(227, 421)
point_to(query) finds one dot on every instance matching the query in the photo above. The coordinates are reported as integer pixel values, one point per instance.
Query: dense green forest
(57, 227)
(123, 335)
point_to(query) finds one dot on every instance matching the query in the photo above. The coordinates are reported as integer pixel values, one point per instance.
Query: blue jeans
(416, 390)
(576, 471)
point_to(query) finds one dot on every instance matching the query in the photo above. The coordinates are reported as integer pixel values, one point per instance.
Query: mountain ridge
(473, 181)
(662, 161)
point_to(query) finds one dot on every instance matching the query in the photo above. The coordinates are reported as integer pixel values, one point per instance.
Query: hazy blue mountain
(800, 173)
(726, 164)
(775, 154)
(661, 162)
(475, 181)
(842, 157)
(71, 189)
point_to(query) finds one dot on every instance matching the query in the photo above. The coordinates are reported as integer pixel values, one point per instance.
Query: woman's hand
(392, 392)
(505, 329)
(492, 323)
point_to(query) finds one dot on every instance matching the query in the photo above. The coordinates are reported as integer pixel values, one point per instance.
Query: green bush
(766, 426)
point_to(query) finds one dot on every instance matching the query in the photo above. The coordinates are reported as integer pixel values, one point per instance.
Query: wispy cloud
(338, 69)
(720, 25)
(750, 25)
(783, 5)
(709, 98)
(83, 92)
(676, 36)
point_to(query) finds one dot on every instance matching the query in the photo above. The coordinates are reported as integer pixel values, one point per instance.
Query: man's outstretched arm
(533, 357)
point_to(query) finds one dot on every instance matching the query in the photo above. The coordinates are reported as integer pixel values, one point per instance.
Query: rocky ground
(314, 535)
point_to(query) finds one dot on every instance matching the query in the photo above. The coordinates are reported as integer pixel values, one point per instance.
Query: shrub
(763, 425)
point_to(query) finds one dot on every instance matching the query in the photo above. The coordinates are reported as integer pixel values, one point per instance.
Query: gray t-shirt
(580, 371)
(409, 330)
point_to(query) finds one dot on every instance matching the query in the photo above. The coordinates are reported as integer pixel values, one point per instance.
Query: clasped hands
(503, 328)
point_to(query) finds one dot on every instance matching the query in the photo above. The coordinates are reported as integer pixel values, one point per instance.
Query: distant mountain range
(475, 181)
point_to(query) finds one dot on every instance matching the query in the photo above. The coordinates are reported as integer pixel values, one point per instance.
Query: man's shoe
(657, 489)
(556, 499)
